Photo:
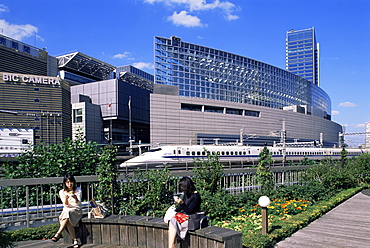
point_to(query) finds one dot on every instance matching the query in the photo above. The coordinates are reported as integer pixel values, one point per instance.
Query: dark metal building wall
(16, 62)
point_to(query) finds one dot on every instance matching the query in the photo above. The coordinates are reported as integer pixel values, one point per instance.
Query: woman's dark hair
(70, 178)
(186, 185)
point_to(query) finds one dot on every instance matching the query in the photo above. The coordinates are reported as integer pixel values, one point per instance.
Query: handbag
(180, 217)
(171, 212)
(194, 222)
(98, 209)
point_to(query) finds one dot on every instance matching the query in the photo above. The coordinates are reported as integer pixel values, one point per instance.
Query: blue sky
(121, 32)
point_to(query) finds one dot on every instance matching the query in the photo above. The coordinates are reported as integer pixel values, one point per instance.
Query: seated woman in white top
(70, 195)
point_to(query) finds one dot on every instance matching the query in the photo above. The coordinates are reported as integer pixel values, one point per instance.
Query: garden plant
(323, 185)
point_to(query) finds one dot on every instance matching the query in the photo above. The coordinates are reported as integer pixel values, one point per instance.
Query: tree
(209, 173)
(343, 158)
(264, 173)
(76, 157)
(107, 190)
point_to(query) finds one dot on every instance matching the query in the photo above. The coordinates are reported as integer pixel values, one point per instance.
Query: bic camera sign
(32, 79)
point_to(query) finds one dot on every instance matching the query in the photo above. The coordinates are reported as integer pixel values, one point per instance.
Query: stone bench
(149, 232)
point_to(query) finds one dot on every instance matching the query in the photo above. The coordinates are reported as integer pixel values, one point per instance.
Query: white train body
(172, 155)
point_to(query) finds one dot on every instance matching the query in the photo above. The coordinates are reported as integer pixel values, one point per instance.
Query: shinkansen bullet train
(175, 155)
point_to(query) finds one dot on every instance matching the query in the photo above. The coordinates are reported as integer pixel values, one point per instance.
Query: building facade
(123, 108)
(78, 68)
(302, 54)
(18, 57)
(367, 135)
(41, 103)
(135, 71)
(208, 73)
(214, 95)
(176, 120)
(31, 94)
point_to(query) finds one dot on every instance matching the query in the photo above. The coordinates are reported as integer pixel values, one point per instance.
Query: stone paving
(347, 225)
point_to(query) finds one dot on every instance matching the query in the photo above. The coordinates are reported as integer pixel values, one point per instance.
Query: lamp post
(264, 202)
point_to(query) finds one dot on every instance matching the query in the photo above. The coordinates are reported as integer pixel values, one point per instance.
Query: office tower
(207, 73)
(367, 136)
(302, 54)
(202, 95)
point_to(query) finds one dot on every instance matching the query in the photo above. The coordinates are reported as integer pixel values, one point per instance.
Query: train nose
(129, 163)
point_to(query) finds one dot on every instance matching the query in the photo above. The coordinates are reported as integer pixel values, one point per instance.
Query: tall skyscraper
(302, 54)
(367, 136)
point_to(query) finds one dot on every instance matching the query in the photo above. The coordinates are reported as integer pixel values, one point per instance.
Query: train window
(240, 153)
(244, 153)
(203, 153)
(218, 153)
(174, 151)
(227, 153)
(193, 153)
(231, 153)
(249, 152)
(188, 153)
(155, 150)
(213, 153)
(222, 153)
(198, 153)
(179, 152)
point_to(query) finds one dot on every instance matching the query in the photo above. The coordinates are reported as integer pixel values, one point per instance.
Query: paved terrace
(347, 225)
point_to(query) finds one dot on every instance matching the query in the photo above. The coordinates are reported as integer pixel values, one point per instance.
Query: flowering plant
(249, 221)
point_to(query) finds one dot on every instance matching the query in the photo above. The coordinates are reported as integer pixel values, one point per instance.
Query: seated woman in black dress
(190, 204)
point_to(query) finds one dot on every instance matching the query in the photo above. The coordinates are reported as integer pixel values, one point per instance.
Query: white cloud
(143, 65)
(3, 8)
(231, 17)
(359, 126)
(348, 104)
(183, 19)
(334, 112)
(125, 55)
(18, 32)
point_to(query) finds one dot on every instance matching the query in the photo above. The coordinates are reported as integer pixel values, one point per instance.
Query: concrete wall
(171, 125)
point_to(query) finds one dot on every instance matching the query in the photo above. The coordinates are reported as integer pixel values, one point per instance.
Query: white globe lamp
(264, 202)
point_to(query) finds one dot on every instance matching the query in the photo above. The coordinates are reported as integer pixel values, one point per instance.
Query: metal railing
(36, 199)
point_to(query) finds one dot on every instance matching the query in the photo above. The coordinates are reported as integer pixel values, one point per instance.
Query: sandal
(75, 244)
(56, 237)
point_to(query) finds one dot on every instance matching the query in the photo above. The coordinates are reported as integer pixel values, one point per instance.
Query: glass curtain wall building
(302, 54)
(208, 73)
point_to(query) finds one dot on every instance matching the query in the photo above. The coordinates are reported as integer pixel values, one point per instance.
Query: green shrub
(147, 191)
(310, 191)
(5, 239)
(360, 168)
(330, 176)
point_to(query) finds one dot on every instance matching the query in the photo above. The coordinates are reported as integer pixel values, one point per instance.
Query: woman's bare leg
(71, 230)
(63, 225)
(171, 235)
